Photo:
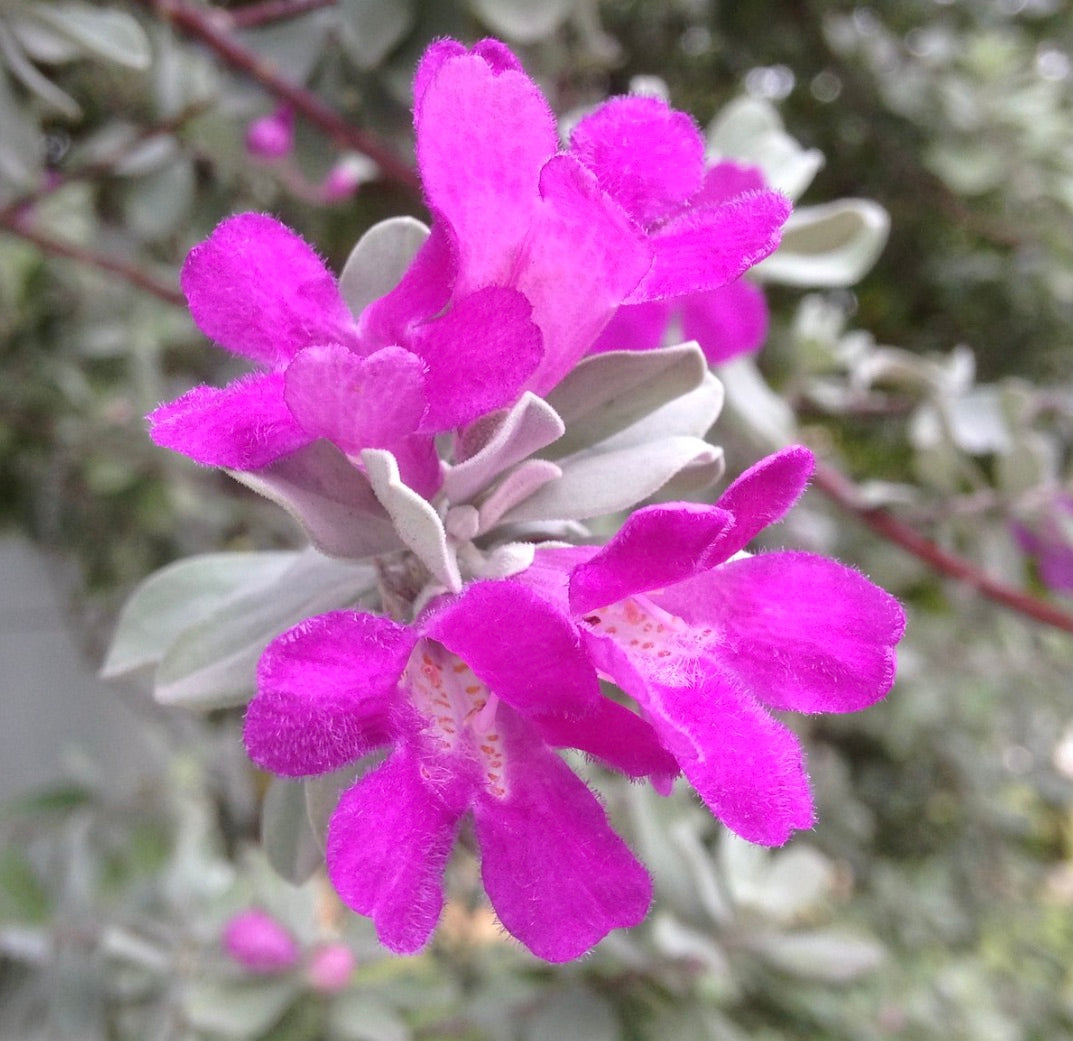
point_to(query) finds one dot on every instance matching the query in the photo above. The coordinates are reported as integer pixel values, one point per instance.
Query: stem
(206, 27)
(268, 11)
(842, 491)
(131, 272)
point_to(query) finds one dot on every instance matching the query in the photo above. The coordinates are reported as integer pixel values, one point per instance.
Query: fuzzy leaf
(211, 665)
(287, 835)
(418, 524)
(379, 260)
(829, 246)
(373, 27)
(532, 424)
(169, 600)
(608, 392)
(329, 497)
(100, 32)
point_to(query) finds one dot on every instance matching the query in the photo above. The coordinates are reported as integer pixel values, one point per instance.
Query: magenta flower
(330, 968)
(1048, 537)
(260, 291)
(259, 943)
(271, 137)
(470, 703)
(705, 640)
(683, 207)
(528, 259)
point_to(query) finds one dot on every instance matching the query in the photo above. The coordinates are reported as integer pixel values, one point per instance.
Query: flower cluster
(454, 407)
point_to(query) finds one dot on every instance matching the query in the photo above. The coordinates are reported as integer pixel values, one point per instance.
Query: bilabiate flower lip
(530, 255)
(705, 640)
(464, 710)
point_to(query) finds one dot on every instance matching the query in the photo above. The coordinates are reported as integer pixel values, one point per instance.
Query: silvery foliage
(112, 902)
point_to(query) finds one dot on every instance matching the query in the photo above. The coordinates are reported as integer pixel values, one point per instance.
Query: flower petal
(799, 631)
(727, 321)
(259, 290)
(747, 767)
(761, 496)
(388, 844)
(422, 292)
(243, 426)
(325, 691)
(646, 155)
(582, 258)
(656, 546)
(526, 651)
(356, 402)
(558, 877)
(727, 179)
(635, 327)
(479, 354)
(616, 736)
(482, 137)
(705, 248)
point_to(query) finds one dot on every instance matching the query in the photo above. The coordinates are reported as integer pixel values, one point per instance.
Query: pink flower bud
(330, 968)
(271, 137)
(259, 943)
(346, 176)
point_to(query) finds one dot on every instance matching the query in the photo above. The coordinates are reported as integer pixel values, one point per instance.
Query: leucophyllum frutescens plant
(442, 424)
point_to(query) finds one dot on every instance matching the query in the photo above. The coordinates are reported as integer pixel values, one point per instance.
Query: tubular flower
(689, 212)
(260, 291)
(705, 640)
(528, 258)
(471, 718)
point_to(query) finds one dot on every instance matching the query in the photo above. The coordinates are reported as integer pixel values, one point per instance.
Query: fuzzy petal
(356, 402)
(582, 258)
(706, 248)
(727, 179)
(727, 321)
(325, 691)
(243, 426)
(558, 877)
(635, 327)
(761, 496)
(482, 138)
(646, 155)
(526, 651)
(747, 768)
(388, 844)
(479, 355)
(656, 546)
(260, 290)
(422, 292)
(799, 631)
(616, 736)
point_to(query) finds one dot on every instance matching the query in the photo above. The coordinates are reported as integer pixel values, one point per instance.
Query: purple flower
(470, 699)
(271, 137)
(260, 291)
(330, 968)
(528, 259)
(706, 640)
(259, 943)
(682, 206)
(1048, 537)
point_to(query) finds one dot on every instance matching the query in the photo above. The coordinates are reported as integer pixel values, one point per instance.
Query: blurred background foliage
(935, 897)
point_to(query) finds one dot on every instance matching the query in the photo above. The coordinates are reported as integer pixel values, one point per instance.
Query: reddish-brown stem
(131, 273)
(210, 29)
(842, 491)
(269, 11)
